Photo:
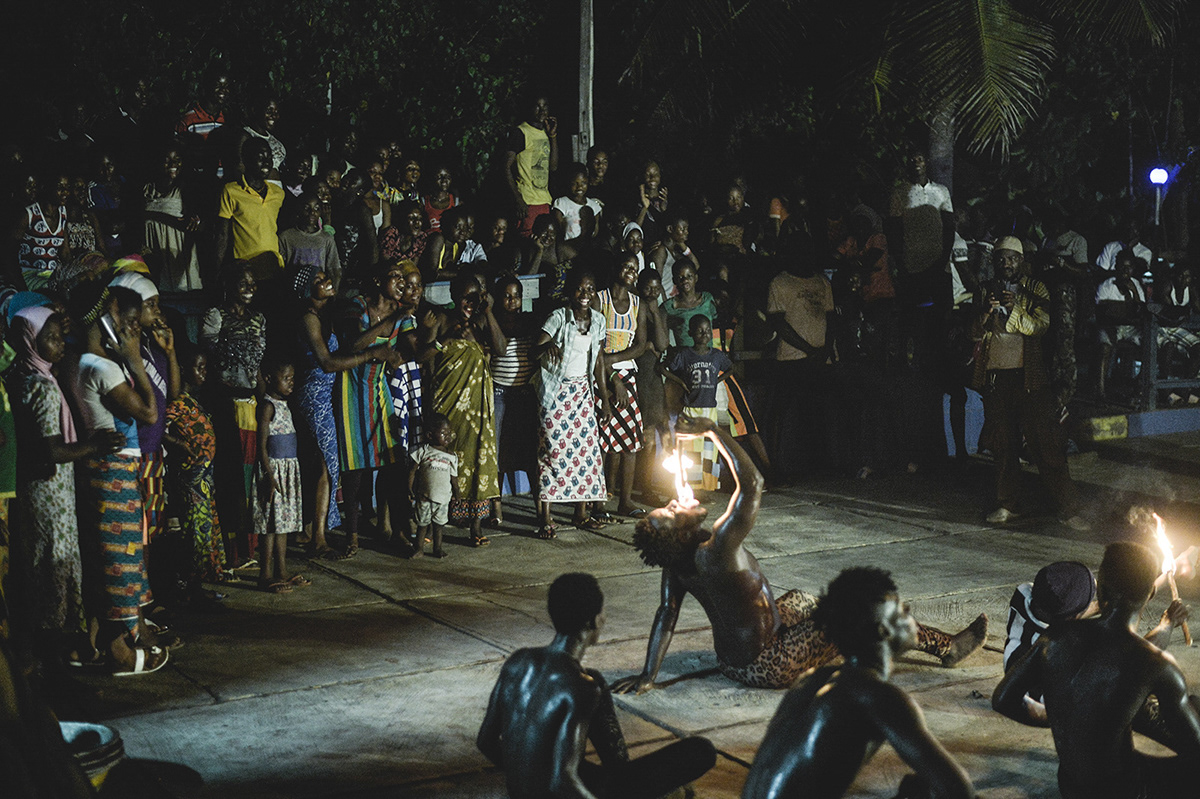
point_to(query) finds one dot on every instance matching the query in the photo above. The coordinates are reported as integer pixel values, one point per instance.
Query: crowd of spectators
(219, 337)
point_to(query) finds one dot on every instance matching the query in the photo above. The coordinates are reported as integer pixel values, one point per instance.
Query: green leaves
(981, 57)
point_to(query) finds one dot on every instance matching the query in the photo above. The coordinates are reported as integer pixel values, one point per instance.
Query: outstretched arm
(903, 725)
(660, 638)
(735, 523)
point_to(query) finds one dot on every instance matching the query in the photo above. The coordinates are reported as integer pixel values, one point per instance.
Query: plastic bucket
(96, 748)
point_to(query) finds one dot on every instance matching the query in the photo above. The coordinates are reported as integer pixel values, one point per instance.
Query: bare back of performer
(836, 718)
(759, 641)
(1096, 675)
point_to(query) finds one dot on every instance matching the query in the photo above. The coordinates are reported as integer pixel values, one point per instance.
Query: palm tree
(972, 70)
(976, 68)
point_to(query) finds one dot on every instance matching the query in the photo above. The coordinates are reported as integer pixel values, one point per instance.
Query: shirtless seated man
(760, 641)
(546, 707)
(1096, 676)
(835, 719)
(1065, 591)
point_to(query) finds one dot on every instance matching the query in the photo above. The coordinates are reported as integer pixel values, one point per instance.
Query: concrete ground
(373, 681)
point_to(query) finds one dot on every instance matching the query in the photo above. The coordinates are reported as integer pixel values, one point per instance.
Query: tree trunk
(941, 148)
(1175, 207)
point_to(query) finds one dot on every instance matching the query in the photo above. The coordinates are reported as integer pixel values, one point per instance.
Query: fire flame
(1164, 543)
(677, 464)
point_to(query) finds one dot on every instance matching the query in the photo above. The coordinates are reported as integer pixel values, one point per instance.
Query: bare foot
(967, 641)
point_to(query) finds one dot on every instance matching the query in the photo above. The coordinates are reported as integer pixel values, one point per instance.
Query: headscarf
(22, 300)
(131, 263)
(134, 281)
(27, 325)
(641, 254)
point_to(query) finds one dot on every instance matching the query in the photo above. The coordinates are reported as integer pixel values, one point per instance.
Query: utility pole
(587, 56)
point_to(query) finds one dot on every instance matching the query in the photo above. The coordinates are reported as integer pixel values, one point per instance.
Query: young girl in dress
(278, 508)
(192, 446)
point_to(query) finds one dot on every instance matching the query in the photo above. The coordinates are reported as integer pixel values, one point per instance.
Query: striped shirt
(1023, 627)
(515, 367)
(622, 327)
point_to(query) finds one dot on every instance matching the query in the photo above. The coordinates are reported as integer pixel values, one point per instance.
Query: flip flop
(481, 541)
(348, 553)
(604, 517)
(300, 580)
(635, 513)
(590, 525)
(492, 523)
(278, 588)
(547, 532)
(154, 656)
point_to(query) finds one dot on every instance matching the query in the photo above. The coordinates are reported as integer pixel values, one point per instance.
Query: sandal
(97, 660)
(547, 532)
(300, 581)
(590, 525)
(493, 523)
(604, 517)
(276, 588)
(480, 541)
(634, 513)
(350, 551)
(145, 661)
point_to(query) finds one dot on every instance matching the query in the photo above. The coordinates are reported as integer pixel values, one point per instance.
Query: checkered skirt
(623, 431)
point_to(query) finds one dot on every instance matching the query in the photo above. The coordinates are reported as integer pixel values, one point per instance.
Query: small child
(433, 482)
(699, 369)
(192, 446)
(278, 508)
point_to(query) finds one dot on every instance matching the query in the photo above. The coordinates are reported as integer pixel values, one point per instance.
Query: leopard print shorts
(797, 647)
(800, 646)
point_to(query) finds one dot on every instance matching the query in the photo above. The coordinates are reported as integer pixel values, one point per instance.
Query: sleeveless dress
(38, 250)
(316, 402)
(623, 431)
(279, 512)
(362, 407)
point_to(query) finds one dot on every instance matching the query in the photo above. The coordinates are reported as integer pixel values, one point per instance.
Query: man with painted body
(836, 718)
(546, 707)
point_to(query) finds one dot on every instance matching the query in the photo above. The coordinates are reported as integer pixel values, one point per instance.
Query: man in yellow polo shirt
(249, 210)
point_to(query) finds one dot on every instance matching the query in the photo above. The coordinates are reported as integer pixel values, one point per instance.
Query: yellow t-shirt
(254, 220)
(533, 166)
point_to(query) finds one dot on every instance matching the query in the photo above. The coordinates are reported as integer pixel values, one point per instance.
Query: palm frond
(981, 57)
(1139, 22)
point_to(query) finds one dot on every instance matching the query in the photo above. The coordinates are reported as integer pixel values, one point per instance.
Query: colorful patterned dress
(187, 421)
(463, 392)
(316, 403)
(362, 406)
(237, 345)
(279, 512)
(570, 465)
